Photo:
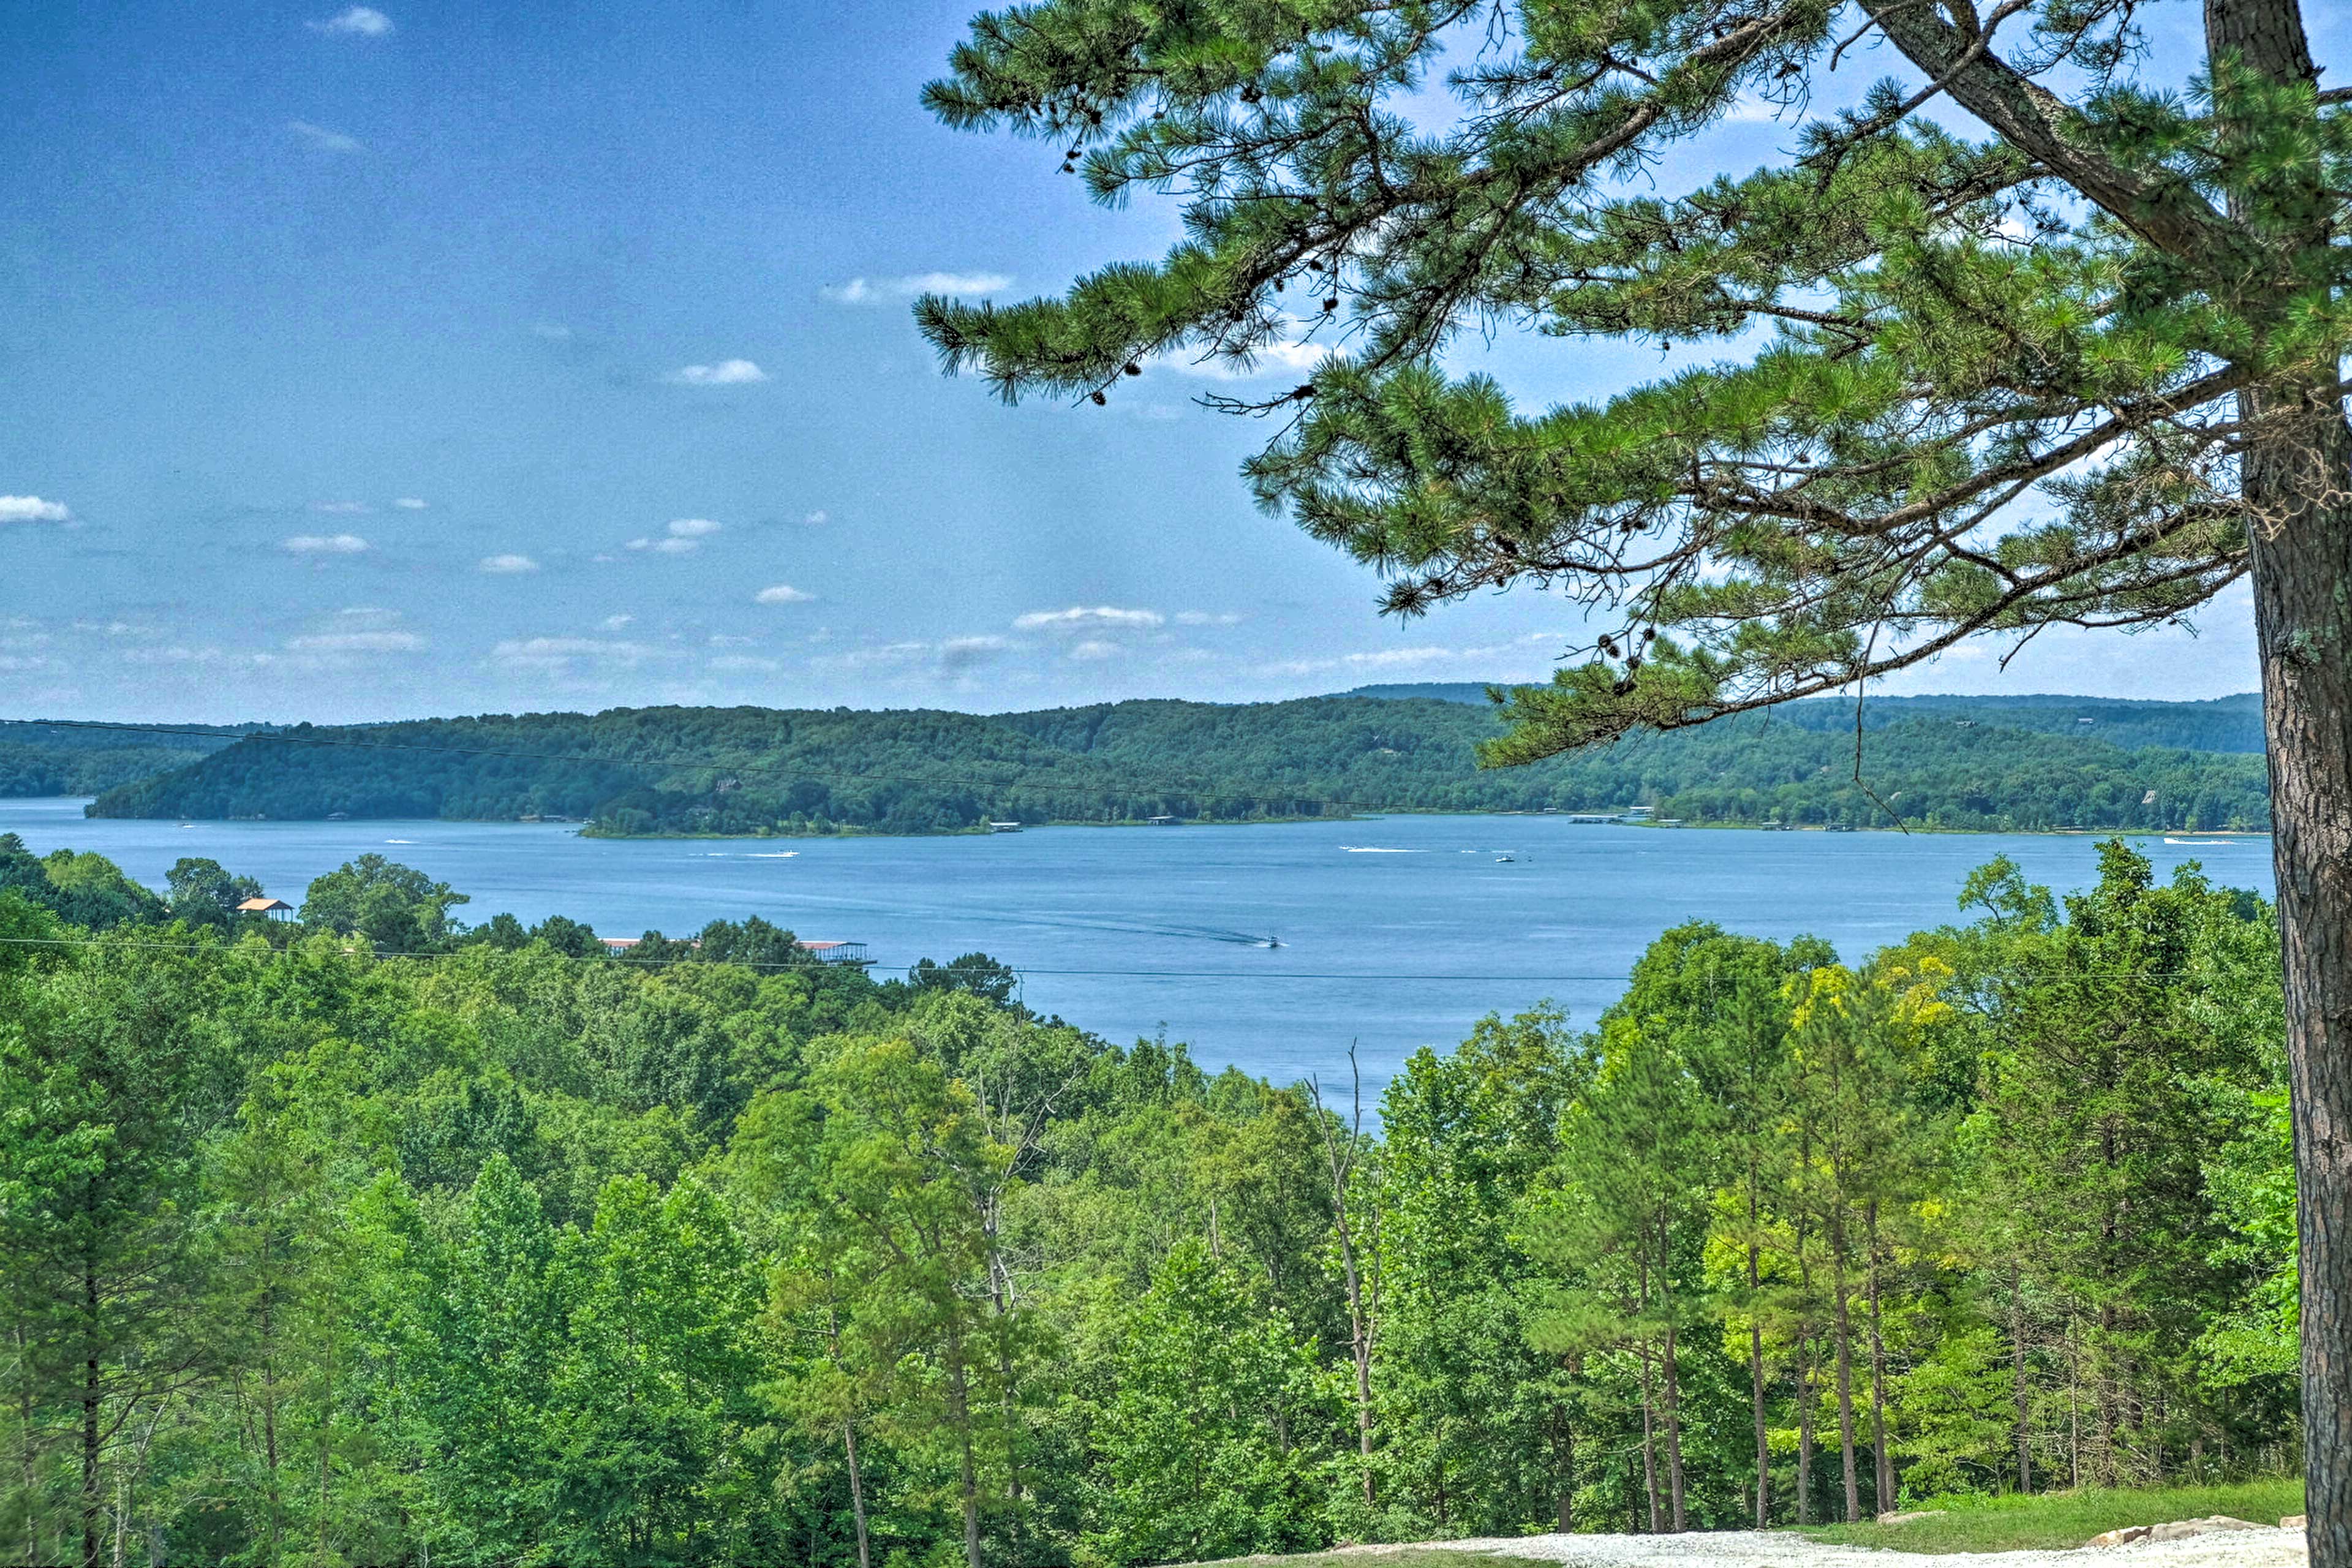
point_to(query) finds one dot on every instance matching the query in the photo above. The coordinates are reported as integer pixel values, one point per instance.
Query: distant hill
(2222, 724)
(38, 759)
(768, 770)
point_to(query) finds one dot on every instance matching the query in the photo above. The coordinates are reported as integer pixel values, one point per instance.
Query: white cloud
(1093, 648)
(180, 654)
(744, 662)
(324, 140)
(358, 642)
(666, 546)
(1205, 619)
(614, 623)
(325, 544)
(1266, 361)
(33, 509)
(875, 290)
(693, 528)
(1077, 617)
(725, 372)
(781, 594)
(360, 21)
(555, 653)
(410, 503)
(817, 519)
(341, 508)
(507, 566)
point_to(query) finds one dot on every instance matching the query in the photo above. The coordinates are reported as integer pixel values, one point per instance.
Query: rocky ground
(2267, 1548)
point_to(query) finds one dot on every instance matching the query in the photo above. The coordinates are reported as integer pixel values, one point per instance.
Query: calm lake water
(1395, 931)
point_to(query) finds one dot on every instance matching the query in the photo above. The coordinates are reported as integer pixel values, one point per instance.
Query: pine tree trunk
(2303, 618)
(1845, 1329)
(2299, 520)
(856, 1494)
(1649, 1447)
(93, 1392)
(967, 1467)
(2017, 1377)
(1882, 1477)
(1804, 1427)
(1755, 1359)
(1675, 1435)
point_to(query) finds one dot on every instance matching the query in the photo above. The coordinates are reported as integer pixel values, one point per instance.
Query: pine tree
(2077, 362)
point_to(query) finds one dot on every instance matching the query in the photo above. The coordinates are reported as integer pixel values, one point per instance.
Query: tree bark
(2303, 620)
(1883, 1473)
(2017, 1381)
(1843, 1326)
(2299, 521)
(857, 1493)
(1649, 1447)
(92, 1395)
(1805, 1426)
(1675, 1435)
(1755, 1358)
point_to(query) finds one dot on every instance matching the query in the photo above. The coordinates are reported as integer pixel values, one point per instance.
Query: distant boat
(1502, 860)
(2203, 843)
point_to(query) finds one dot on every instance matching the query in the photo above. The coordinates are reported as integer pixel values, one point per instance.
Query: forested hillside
(372, 1238)
(763, 771)
(51, 758)
(2222, 724)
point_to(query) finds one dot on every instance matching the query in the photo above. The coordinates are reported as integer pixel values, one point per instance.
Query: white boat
(2202, 843)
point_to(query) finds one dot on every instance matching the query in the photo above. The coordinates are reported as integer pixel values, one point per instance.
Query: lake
(1395, 931)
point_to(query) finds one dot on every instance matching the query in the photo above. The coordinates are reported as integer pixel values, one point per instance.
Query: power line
(288, 738)
(819, 966)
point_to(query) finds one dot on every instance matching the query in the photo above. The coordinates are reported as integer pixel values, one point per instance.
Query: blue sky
(360, 364)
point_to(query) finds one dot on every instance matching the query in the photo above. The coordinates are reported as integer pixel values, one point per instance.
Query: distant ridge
(1959, 763)
(2218, 725)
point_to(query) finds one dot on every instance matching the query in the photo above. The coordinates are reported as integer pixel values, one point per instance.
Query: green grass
(2059, 1520)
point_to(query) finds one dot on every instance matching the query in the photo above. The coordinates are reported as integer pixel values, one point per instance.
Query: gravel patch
(1750, 1548)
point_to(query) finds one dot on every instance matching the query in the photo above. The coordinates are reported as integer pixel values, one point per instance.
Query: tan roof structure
(263, 906)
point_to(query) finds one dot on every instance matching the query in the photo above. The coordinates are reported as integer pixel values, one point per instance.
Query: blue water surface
(1393, 932)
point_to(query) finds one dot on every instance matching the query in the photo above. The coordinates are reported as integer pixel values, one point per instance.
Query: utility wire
(818, 965)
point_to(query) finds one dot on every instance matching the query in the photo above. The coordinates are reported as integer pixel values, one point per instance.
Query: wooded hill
(54, 758)
(1954, 763)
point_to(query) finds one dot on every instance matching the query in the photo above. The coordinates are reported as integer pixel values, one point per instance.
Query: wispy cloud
(882, 290)
(341, 508)
(33, 509)
(1270, 359)
(507, 566)
(324, 544)
(781, 594)
(672, 546)
(817, 519)
(359, 22)
(411, 503)
(1079, 617)
(725, 373)
(357, 642)
(1095, 648)
(614, 623)
(1207, 618)
(731, 663)
(322, 140)
(693, 528)
(558, 653)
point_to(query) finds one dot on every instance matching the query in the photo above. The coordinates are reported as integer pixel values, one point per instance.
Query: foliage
(1952, 763)
(493, 1252)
